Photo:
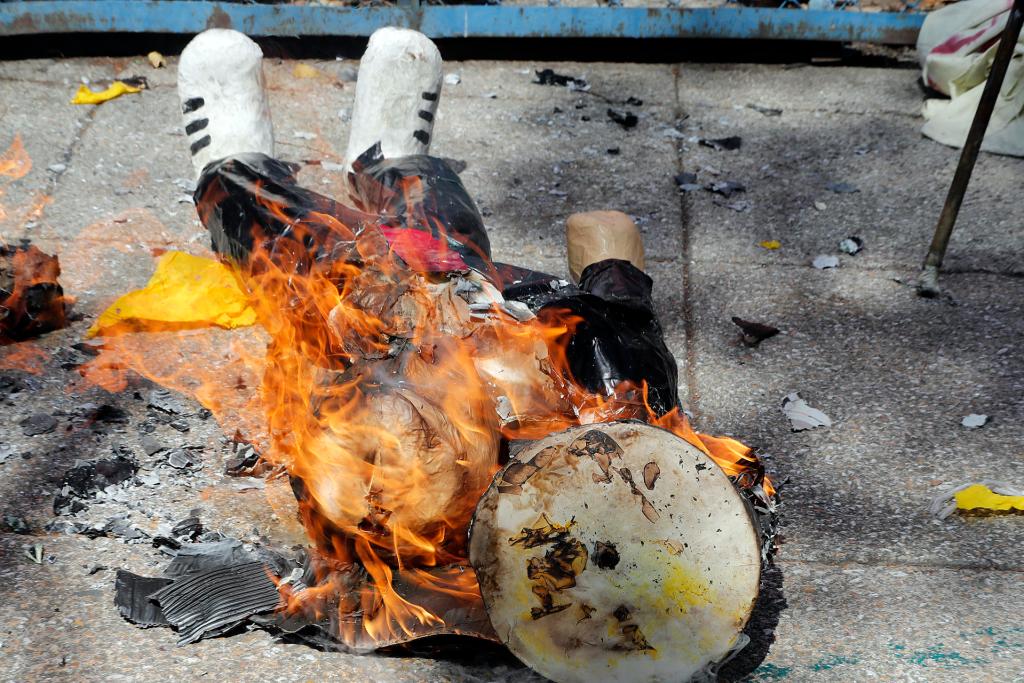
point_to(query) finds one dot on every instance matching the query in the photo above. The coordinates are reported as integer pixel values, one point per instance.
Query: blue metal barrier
(458, 21)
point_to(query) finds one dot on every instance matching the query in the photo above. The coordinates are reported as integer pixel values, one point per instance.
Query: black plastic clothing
(616, 337)
(437, 197)
(254, 197)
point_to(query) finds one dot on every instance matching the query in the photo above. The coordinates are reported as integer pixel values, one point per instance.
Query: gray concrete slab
(540, 166)
(896, 373)
(131, 158)
(867, 586)
(653, 83)
(801, 88)
(64, 74)
(63, 626)
(47, 140)
(787, 163)
(850, 623)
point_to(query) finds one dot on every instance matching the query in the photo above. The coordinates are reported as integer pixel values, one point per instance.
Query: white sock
(223, 101)
(396, 95)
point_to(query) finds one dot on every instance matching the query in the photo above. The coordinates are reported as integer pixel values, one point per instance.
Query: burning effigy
(476, 448)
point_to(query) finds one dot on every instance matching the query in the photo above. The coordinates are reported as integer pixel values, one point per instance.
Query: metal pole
(928, 285)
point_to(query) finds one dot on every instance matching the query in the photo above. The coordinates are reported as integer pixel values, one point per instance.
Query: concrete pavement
(868, 586)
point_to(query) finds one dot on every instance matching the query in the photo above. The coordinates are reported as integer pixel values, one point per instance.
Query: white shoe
(396, 95)
(223, 100)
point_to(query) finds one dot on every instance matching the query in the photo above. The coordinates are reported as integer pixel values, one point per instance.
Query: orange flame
(385, 393)
(15, 162)
(26, 357)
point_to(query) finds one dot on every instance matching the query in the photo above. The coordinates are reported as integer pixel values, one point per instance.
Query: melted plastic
(254, 197)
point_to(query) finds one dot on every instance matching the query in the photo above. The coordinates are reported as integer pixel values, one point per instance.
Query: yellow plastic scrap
(185, 291)
(116, 89)
(301, 70)
(981, 497)
(770, 245)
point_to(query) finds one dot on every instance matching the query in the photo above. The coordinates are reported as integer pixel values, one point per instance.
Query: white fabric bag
(956, 47)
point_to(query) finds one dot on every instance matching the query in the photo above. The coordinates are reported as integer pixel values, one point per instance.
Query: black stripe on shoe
(429, 96)
(198, 124)
(191, 104)
(426, 115)
(199, 144)
(422, 135)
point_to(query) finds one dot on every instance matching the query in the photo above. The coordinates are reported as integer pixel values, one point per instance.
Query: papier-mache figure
(461, 433)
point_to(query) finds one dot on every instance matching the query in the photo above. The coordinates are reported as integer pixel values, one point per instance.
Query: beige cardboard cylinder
(594, 236)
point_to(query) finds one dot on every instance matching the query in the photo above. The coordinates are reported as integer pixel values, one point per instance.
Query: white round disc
(615, 552)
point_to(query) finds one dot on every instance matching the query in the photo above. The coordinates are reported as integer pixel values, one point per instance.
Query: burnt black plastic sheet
(323, 625)
(213, 602)
(131, 595)
(618, 337)
(192, 558)
(252, 197)
(208, 589)
(437, 198)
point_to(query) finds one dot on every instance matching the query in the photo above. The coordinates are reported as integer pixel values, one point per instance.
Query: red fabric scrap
(422, 251)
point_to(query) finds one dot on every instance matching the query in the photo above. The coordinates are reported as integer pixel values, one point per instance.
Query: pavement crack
(65, 159)
(721, 107)
(899, 566)
(982, 271)
(886, 268)
(689, 324)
